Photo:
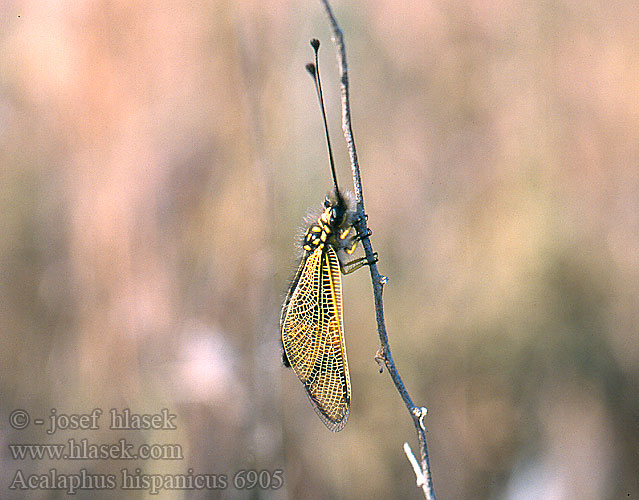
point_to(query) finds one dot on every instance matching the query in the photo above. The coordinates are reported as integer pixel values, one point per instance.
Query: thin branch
(421, 480)
(384, 354)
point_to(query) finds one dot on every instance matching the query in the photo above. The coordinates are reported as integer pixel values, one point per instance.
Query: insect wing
(312, 335)
(300, 320)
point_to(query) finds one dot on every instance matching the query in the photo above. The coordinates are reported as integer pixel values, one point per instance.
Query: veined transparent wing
(313, 339)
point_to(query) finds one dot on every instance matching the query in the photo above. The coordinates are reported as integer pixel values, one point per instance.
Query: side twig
(384, 354)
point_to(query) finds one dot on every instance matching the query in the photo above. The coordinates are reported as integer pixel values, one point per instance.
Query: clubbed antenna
(313, 70)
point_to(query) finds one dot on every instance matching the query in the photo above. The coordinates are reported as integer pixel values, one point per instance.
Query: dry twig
(384, 354)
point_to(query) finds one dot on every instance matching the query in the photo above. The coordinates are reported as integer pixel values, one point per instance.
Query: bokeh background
(157, 159)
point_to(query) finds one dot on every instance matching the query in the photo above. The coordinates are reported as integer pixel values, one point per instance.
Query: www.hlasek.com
(82, 449)
(153, 483)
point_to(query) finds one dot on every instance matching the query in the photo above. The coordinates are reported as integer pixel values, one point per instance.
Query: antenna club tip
(310, 67)
(315, 43)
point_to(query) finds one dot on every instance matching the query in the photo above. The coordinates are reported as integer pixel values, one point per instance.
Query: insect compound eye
(334, 214)
(327, 202)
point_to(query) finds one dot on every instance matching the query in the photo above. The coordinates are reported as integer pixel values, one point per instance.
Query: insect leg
(360, 237)
(354, 265)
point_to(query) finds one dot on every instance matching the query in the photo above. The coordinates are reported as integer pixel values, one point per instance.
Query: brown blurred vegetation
(158, 158)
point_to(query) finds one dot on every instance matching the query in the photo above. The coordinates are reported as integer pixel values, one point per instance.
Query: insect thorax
(334, 227)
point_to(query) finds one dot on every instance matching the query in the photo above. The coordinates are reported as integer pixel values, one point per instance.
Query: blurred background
(157, 161)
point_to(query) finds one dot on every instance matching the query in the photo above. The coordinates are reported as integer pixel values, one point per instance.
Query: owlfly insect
(311, 322)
